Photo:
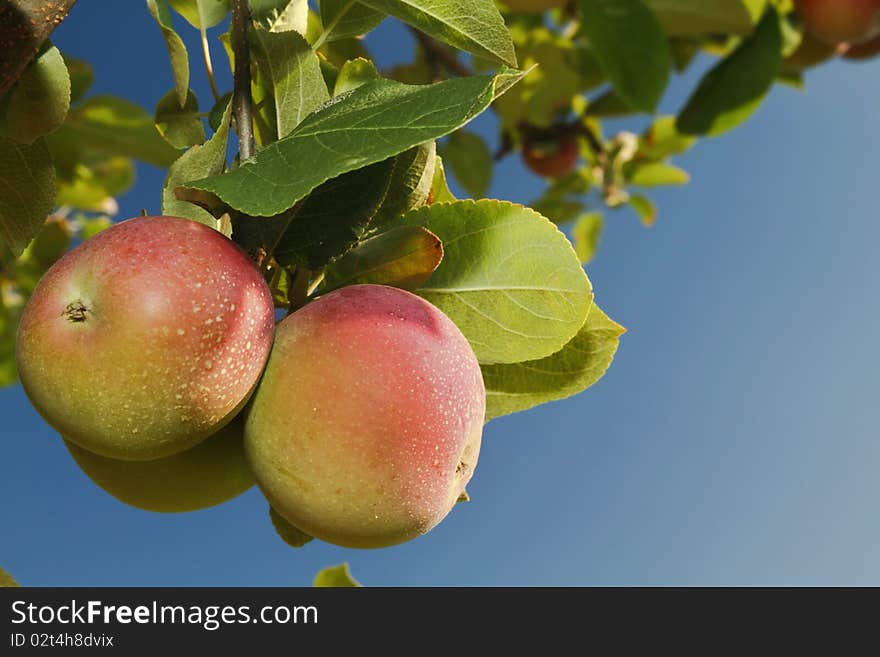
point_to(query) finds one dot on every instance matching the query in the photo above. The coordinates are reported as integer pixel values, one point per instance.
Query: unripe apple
(146, 339)
(209, 474)
(533, 6)
(366, 426)
(839, 21)
(553, 157)
(866, 50)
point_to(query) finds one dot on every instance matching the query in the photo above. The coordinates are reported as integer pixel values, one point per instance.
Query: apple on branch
(146, 339)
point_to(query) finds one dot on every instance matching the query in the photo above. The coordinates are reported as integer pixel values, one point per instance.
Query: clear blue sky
(734, 441)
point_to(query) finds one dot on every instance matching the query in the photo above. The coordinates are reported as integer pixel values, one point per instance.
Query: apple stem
(242, 102)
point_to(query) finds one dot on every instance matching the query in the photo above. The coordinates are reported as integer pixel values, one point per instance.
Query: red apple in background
(812, 51)
(367, 424)
(840, 21)
(146, 339)
(862, 51)
(551, 157)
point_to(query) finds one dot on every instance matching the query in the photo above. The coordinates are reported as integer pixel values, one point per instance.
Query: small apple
(367, 424)
(212, 472)
(812, 51)
(145, 339)
(551, 157)
(840, 21)
(863, 51)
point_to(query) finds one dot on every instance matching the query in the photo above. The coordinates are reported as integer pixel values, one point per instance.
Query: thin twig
(437, 53)
(209, 66)
(242, 101)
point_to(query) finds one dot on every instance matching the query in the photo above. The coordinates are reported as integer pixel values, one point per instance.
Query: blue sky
(734, 441)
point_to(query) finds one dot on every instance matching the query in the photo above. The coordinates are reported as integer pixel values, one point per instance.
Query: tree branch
(437, 53)
(24, 26)
(242, 102)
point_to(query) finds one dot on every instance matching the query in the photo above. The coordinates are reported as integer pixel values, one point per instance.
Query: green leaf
(291, 535)
(28, 180)
(49, 244)
(6, 580)
(81, 76)
(580, 364)
(410, 184)
(181, 127)
(655, 174)
(344, 18)
(39, 101)
(292, 67)
(372, 123)
(202, 13)
(439, 188)
(645, 208)
(404, 257)
(114, 126)
(94, 181)
(610, 105)
(509, 278)
(295, 16)
(475, 26)
(215, 116)
(557, 69)
(336, 576)
(176, 48)
(559, 211)
(353, 74)
(704, 17)
(663, 140)
(630, 47)
(328, 223)
(586, 233)
(732, 91)
(470, 161)
(91, 226)
(203, 160)
(684, 51)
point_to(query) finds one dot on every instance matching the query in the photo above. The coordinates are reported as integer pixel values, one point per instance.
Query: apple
(812, 51)
(212, 472)
(839, 21)
(865, 50)
(366, 427)
(551, 157)
(146, 339)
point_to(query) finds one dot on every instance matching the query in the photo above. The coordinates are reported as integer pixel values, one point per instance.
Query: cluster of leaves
(345, 185)
(601, 60)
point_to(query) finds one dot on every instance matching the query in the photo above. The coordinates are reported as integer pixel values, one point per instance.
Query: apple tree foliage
(340, 171)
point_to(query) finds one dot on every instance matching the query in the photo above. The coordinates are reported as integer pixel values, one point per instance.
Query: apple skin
(551, 158)
(146, 339)
(212, 472)
(863, 51)
(811, 52)
(839, 21)
(366, 427)
(533, 6)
